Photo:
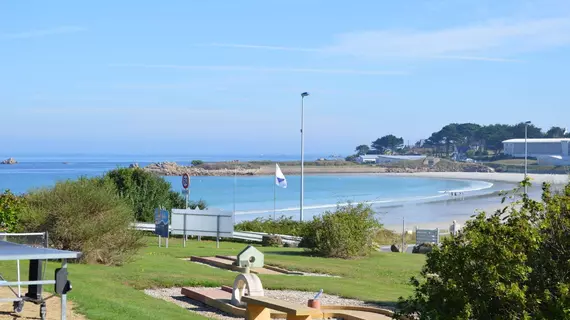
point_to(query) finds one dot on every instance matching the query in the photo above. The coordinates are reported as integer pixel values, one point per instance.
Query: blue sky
(226, 76)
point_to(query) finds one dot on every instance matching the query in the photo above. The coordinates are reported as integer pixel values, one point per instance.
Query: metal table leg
(64, 296)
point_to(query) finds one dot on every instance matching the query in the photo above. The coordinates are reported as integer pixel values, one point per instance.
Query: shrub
(146, 191)
(512, 264)
(345, 233)
(389, 237)
(271, 241)
(281, 225)
(10, 208)
(84, 215)
(197, 162)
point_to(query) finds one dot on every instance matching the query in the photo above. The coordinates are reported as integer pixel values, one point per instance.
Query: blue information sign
(161, 222)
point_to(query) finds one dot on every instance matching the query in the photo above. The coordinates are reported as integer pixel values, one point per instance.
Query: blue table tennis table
(10, 251)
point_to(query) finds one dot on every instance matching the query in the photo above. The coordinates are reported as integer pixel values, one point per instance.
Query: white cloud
(43, 32)
(497, 37)
(495, 41)
(260, 69)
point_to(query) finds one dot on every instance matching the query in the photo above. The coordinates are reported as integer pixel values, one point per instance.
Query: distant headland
(253, 168)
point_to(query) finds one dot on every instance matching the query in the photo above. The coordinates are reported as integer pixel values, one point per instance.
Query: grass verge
(101, 292)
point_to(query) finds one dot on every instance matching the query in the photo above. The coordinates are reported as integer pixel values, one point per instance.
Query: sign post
(186, 186)
(186, 191)
(161, 225)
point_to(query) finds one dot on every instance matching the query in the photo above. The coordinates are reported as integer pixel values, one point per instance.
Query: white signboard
(206, 223)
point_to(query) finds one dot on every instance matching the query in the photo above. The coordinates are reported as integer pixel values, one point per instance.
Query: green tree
(197, 162)
(512, 264)
(518, 131)
(388, 142)
(492, 136)
(447, 137)
(11, 206)
(555, 132)
(145, 191)
(362, 149)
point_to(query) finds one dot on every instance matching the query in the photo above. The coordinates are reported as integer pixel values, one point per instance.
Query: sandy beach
(555, 179)
(444, 212)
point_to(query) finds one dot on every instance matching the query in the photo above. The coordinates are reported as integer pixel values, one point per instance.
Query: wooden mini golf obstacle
(246, 299)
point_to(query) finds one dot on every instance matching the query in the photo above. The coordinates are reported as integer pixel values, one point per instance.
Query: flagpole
(302, 200)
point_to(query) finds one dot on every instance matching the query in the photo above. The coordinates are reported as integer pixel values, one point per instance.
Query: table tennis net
(37, 240)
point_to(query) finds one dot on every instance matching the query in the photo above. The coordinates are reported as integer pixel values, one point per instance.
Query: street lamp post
(525, 153)
(303, 95)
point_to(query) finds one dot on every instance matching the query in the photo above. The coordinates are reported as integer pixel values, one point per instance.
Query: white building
(546, 151)
(380, 158)
(367, 158)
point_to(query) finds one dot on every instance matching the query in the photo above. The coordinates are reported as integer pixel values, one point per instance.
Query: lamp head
(527, 122)
(304, 94)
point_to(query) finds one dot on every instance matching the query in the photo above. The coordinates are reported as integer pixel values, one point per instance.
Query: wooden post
(185, 236)
(257, 312)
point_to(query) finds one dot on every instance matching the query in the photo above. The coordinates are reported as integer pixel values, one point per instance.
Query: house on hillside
(548, 151)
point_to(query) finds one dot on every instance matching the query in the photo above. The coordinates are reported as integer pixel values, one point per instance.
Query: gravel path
(174, 295)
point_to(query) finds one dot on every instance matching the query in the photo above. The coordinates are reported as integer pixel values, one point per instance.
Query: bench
(259, 308)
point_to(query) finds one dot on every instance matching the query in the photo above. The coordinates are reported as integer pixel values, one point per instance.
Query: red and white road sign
(185, 181)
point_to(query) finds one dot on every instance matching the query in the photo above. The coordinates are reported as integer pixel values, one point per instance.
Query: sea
(417, 200)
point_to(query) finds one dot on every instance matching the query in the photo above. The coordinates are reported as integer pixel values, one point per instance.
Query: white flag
(279, 177)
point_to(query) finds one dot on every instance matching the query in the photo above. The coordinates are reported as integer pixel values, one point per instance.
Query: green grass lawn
(101, 292)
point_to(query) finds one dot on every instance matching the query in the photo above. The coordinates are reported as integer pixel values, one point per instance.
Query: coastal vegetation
(348, 232)
(93, 215)
(483, 141)
(511, 264)
(281, 225)
(11, 206)
(146, 191)
(85, 215)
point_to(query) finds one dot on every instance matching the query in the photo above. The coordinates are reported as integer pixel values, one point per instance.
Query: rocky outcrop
(174, 169)
(397, 247)
(134, 165)
(9, 161)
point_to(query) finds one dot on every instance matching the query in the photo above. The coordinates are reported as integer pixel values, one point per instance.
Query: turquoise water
(254, 195)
